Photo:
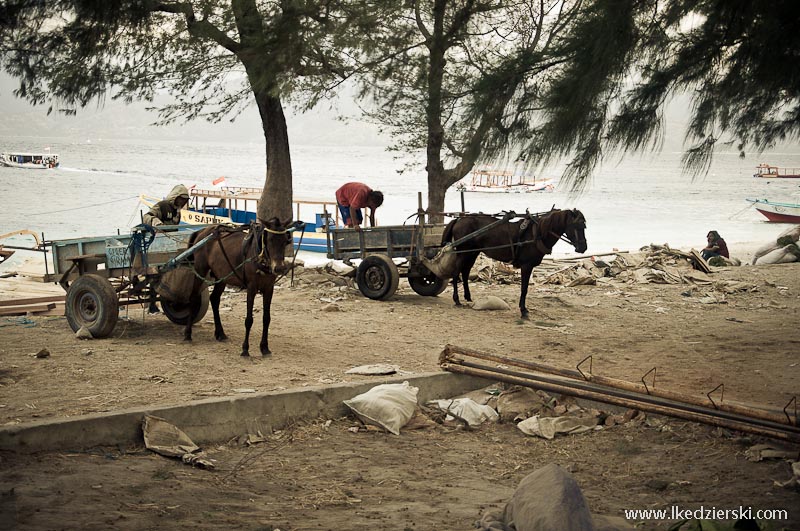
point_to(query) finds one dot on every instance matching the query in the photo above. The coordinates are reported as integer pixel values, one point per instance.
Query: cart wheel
(178, 312)
(92, 303)
(377, 277)
(429, 285)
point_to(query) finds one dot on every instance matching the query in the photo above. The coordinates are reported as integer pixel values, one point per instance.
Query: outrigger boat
(238, 205)
(778, 212)
(502, 182)
(765, 171)
(33, 161)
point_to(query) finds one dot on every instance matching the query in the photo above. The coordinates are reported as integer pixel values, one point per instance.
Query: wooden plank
(24, 309)
(33, 300)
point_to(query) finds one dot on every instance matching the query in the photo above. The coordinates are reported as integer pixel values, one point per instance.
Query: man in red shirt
(352, 197)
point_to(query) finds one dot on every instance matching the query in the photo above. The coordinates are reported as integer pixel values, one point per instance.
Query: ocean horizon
(630, 202)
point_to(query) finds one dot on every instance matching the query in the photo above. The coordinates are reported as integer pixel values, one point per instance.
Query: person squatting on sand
(716, 246)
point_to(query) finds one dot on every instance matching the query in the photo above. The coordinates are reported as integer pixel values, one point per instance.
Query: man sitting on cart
(352, 197)
(168, 211)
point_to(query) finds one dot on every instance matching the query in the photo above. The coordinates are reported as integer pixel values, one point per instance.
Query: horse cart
(101, 274)
(378, 276)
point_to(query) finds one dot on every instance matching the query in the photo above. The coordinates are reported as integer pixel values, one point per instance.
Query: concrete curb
(218, 419)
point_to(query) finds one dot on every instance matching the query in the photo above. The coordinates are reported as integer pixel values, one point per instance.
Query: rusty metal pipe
(625, 402)
(620, 393)
(450, 350)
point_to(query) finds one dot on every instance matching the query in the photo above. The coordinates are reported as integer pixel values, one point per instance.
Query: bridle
(579, 221)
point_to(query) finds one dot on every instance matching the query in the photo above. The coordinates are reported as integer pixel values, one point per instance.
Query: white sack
(389, 406)
(466, 408)
(547, 427)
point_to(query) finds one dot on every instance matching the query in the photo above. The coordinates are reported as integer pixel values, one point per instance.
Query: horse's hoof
(266, 352)
(187, 339)
(220, 337)
(525, 316)
(245, 353)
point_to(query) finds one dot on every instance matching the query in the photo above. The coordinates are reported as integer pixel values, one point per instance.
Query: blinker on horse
(523, 243)
(252, 260)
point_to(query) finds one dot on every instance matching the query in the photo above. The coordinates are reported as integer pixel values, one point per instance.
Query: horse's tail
(447, 235)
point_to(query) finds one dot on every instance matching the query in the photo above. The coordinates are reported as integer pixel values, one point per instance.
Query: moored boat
(493, 181)
(33, 161)
(777, 212)
(765, 171)
(238, 205)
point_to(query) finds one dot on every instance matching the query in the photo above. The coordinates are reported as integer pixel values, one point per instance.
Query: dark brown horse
(522, 243)
(251, 259)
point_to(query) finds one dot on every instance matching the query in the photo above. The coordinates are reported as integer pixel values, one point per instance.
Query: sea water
(629, 203)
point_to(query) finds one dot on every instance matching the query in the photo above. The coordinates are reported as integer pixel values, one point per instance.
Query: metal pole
(623, 402)
(450, 350)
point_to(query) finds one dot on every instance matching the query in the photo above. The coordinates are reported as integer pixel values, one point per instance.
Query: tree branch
(197, 28)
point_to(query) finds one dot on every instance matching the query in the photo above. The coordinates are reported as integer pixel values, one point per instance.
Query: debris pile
(537, 413)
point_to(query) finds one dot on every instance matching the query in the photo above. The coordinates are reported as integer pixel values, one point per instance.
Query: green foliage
(737, 59)
(465, 79)
(211, 56)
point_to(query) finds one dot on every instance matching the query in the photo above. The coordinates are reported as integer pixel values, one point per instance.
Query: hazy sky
(317, 127)
(117, 120)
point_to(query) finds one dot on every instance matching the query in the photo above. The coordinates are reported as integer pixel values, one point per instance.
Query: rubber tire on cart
(377, 277)
(178, 312)
(92, 303)
(429, 285)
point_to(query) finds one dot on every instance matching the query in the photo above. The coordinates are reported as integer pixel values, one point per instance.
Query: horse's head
(276, 236)
(575, 230)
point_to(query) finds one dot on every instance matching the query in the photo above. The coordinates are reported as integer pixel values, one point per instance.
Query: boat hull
(778, 212)
(311, 240)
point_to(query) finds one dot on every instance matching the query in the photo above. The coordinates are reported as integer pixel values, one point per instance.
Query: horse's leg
(216, 294)
(248, 320)
(526, 271)
(466, 267)
(455, 287)
(194, 308)
(266, 300)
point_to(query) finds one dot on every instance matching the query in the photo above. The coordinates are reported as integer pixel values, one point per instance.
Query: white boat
(238, 205)
(765, 171)
(502, 182)
(33, 161)
(777, 212)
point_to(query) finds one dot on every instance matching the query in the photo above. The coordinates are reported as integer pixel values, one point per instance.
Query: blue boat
(238, 205)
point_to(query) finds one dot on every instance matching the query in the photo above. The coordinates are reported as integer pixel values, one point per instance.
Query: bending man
(352, 197)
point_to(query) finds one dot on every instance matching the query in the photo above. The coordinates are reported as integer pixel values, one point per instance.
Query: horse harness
(531, 221)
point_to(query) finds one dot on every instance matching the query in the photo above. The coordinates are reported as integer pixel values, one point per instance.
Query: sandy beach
(739, 329)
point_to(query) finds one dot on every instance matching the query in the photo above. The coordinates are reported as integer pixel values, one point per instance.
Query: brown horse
(522, 243)
(250, 259)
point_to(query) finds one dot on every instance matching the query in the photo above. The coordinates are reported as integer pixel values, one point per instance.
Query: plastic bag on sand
(467, 409)
(547, 427)
(166, 439)
(389, 406)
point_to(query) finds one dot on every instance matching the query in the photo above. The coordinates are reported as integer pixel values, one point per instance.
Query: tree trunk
(437, 47)
(276, 198)
(437, 187)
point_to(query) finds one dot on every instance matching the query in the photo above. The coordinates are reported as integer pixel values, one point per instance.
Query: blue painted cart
(101, 274)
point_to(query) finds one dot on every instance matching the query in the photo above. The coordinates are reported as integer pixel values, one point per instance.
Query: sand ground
(324, 476)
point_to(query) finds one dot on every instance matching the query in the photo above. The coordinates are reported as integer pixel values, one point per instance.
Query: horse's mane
(551, 219)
